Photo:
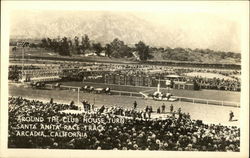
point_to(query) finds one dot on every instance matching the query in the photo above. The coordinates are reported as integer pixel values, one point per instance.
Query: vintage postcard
(116, 79)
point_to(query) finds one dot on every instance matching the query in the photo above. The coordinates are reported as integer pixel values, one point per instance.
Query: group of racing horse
(86, 88)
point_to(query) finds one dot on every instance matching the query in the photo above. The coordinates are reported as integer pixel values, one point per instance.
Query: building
(183, 85)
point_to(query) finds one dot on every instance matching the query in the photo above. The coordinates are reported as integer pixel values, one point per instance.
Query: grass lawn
(202, 94)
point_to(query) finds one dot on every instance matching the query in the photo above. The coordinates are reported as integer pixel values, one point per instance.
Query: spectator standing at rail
(87, 106)
(173, 114)
(150, 110)
(73, 106)
(163, 108)
(159, 110)
(146, 109)
(145, 114)
(231, 115)
(180, 116)
(135, 105)
(171, 108)
(72, 103)
(84, 105)
(179, 111)
(93, 107)
(51, 101)
(149, 114)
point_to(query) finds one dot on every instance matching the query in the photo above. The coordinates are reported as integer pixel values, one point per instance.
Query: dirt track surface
(207, 113)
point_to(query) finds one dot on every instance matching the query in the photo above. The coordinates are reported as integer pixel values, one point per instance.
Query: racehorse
(107, 90)
(57, 85)
(87, 88)
(38, 85)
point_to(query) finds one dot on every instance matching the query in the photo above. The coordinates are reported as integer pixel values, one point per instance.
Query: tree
(97, 48)
(70, 45)
(60, 47)
(143, 50)
(119, 49)
(33, 45)
(85, 43)
(55, 45)
(50, 45)
(76, 39)
(108, 50)
(64, 47)
(44, 43)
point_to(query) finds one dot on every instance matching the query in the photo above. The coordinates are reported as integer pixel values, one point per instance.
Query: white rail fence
(208, 102)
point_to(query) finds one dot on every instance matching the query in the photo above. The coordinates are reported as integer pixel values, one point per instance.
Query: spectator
(231, 115)
(179, 111)
(171, 108)
(158, 110)
(135, 133)
(163, 108)
(135, 105)
(51, 101)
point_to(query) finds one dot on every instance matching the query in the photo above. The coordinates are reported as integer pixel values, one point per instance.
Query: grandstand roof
(173, 76)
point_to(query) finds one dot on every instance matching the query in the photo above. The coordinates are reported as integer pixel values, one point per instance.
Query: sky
(208, 30)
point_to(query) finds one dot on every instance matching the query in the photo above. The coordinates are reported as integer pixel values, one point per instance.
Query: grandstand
(41, 75)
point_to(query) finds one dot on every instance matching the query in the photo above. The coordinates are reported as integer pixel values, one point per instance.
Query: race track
(207, 113)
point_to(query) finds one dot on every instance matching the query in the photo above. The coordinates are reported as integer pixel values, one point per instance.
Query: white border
(233, 9)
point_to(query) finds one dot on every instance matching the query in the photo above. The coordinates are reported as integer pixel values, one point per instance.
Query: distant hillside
(196, 55)
(101, 26)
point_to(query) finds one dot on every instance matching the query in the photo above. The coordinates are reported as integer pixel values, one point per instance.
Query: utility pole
(78, 97)
(22, 62)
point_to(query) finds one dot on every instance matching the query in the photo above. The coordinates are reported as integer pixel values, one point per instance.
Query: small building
(173, 77)
(183, 85)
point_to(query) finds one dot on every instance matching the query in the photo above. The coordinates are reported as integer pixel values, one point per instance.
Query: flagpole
(158, 86)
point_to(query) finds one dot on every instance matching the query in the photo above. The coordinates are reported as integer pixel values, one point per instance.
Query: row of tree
(116, 48)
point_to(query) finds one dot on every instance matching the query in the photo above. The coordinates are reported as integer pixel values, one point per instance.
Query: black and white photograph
(140, 77)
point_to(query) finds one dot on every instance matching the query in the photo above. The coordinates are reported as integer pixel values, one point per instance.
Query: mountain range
(104, 26)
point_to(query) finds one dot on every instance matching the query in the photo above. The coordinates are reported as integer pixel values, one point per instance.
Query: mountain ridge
(103, 26)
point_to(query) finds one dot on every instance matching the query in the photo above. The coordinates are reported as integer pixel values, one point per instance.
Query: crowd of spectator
(14, 73)
(162, 72)
(218, 84)
(79, 72)
(172, 133)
